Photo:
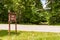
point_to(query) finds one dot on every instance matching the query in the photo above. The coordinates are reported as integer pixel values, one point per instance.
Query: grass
(23, 35)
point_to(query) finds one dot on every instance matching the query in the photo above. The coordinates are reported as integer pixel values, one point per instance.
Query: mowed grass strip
(24, 35)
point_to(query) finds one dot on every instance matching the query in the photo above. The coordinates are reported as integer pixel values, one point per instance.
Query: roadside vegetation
(31, 11)
(24, 35)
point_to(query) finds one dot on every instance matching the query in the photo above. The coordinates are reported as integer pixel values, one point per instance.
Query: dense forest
(31, 11)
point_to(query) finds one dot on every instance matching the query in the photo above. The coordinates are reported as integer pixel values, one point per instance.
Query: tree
(54, 4)
(28, 11)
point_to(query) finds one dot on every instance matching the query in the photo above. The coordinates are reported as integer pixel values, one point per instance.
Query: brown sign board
(13, 17)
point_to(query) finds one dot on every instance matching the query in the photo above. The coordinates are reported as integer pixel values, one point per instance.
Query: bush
(54, 19)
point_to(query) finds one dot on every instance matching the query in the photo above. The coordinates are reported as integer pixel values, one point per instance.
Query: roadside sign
(12, 17)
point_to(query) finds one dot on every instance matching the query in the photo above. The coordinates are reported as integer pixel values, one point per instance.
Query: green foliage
(3, 12)
(54, 12)
(31, 11)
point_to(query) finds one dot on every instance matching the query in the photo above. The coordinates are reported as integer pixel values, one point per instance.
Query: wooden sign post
(12, 17)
